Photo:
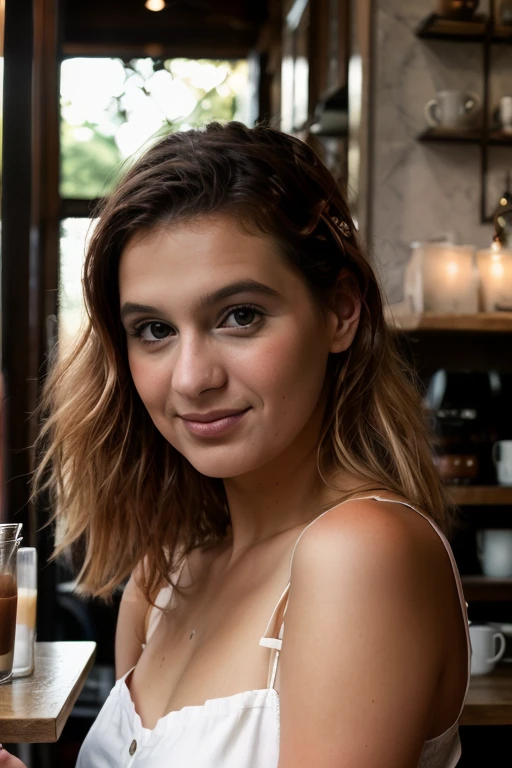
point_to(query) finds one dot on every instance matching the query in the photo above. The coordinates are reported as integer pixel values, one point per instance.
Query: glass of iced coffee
(8, 606)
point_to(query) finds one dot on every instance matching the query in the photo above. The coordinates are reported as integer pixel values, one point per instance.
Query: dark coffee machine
(462, 406)
(457, 9)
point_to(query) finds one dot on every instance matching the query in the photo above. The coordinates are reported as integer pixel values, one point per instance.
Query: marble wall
(421, 191)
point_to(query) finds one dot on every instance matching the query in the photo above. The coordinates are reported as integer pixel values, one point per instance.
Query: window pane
(74, 234)
(111, 108)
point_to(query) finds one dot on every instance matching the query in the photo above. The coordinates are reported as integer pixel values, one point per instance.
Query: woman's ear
(346, 308)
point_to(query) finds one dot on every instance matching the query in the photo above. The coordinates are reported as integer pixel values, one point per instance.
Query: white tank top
(239, 731)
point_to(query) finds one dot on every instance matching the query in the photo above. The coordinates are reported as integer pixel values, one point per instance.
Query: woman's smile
(214, 427)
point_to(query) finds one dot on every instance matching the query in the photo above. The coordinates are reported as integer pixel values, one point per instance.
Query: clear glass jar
(495, 274)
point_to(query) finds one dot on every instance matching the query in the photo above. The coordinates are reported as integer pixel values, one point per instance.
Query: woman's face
(217, 321)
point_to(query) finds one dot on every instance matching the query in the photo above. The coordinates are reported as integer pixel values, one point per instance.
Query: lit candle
(495, 270)
(449, 278)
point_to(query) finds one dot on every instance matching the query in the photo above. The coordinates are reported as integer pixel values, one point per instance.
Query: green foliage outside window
(111, 109)
(88, 168)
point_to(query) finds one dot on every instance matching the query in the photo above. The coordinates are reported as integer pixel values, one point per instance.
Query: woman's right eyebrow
(131, 308)
(209, 299)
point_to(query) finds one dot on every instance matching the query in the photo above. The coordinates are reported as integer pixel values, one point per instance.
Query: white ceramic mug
(483, 648)
(499, 626)
(502, 458)
(505, 113)
(494, 551)
(451, 109)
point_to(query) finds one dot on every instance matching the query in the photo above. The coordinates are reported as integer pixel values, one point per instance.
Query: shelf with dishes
(479, 588)
(481, 495)
(436, 27)
(454, 115)
(475, 30)
(398, 318)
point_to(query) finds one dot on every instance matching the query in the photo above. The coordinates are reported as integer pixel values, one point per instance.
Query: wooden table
(489, 700)
(35, 709)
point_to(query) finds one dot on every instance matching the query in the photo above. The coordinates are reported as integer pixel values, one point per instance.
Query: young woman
(236, 432)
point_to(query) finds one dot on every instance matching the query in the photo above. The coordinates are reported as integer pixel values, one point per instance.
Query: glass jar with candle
(442, 277)
(495, 271)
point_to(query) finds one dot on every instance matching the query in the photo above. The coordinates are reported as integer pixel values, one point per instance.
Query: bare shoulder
(363, 542)
(376, 534)
(364, 611)
(130, 629)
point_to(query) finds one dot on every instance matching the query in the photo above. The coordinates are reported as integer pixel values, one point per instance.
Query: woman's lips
(214, 428)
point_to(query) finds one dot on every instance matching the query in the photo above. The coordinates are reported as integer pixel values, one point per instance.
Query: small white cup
(500, 626)
(451, 109)
(483, 644)
(502, 458)
(494, 550)
(505, 112)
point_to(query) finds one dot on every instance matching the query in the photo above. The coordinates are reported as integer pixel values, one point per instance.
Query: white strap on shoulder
(287, 588)
(271, 642)
(275, 644)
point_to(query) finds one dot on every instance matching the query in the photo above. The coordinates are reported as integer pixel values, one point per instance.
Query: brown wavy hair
(119, 491)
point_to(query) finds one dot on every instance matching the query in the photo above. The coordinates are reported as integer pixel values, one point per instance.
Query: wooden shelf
(500, 137)
(489, 700)
(465, 136)
(483, 589)
(457, 135)
(481, 495)
(434, 321)
(462, 136)
(436, 27)
(502, 34)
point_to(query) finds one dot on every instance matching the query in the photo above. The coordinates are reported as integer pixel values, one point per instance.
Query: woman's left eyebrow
(209, 299)
(239, 286)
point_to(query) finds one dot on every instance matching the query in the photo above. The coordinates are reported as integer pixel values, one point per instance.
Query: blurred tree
(88, 168)
(95, 152)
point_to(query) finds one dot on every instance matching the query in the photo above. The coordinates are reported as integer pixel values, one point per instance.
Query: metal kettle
(462, 406)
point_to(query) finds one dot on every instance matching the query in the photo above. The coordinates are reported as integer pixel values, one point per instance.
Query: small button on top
(133, 748)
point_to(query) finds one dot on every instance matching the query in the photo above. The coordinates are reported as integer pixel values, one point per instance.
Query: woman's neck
(272, 505)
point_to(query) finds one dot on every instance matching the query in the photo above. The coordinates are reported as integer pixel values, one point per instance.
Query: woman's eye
(242, 316)
(153, 331)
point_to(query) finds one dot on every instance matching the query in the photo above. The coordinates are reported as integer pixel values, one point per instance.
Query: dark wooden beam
(20, 268)
(47, 214)
(134, 49)
(30, 208)
(224, 28)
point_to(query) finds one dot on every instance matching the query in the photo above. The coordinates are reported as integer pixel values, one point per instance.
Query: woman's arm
(131, 625)
(362, 649)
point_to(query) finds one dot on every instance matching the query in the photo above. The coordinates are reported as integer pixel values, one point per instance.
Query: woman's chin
(229, 466)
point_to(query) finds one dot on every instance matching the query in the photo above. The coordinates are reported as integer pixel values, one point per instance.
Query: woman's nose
(197, 367)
